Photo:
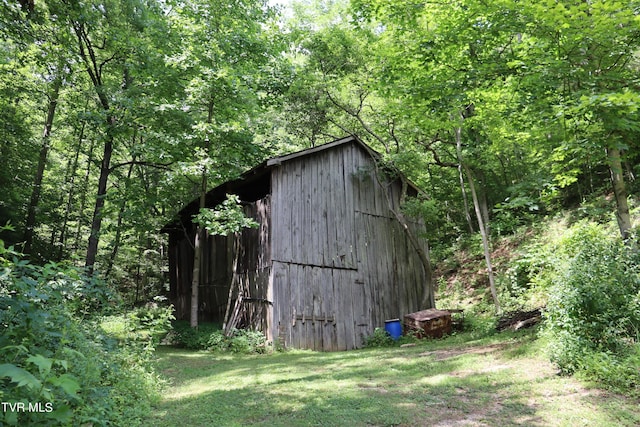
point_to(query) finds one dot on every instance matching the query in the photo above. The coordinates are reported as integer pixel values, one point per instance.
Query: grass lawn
(503, 380)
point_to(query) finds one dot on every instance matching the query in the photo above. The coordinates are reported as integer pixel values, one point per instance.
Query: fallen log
(519, 319)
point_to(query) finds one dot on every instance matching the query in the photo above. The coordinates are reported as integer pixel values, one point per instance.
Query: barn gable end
(329, 263)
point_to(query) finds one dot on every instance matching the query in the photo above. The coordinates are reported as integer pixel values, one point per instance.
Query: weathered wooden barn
(328, 264)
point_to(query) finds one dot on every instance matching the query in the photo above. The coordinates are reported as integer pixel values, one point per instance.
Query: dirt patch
(373, 387)
(449, 353)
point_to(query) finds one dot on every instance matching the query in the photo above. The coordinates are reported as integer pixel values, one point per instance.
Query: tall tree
(588, 52)
(109, 44)
(225, 50)
(56, 84)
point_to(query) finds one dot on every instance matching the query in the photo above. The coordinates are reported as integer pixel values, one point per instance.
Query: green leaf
(226, 218)
(43, 364)
(11, 418)
(62, 414)
(20, 376)
(68, 383)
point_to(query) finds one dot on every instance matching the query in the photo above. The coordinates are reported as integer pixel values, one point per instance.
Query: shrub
(593, 312)
(55, 355)
(217, 342)
(152, 320)
(379, 338)
(192, 338)
(149, 324)
(616, 372)
(246, 342)
(211, 337)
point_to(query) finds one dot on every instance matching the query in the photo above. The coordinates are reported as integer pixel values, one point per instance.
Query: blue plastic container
(394, 328)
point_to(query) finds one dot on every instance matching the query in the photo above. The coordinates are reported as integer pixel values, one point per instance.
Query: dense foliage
(58, 363)
(593, 312)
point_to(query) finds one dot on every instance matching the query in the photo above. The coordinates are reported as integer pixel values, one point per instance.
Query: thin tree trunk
(116, 243)
(70, 181)
(66, 194)
(42, 161)
(484, 205)
(83, 197)
(620, 191)
(629, 172)
(197, 256)
(481, 223)
(200, 232)
(465, 200)
(94, 71)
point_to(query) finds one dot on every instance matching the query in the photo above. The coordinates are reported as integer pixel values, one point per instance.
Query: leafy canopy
(225, 218)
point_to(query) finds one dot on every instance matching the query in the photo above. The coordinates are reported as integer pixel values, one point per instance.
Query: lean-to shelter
(328, 263)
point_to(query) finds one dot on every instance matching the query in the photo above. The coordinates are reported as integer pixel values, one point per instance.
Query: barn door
(319, 308)
(313, 313)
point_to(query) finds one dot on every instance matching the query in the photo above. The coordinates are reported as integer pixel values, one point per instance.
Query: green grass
(503, 380)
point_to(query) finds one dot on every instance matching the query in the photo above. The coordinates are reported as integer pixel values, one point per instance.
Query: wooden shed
(329, 262)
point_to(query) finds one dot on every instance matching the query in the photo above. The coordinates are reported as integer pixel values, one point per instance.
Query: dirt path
(535, 395)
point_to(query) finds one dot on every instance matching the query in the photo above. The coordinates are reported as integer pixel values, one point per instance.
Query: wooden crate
(428, 323)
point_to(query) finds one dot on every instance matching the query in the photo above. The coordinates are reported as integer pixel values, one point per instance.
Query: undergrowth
(209, 336)
(59, 365)
(585, 280)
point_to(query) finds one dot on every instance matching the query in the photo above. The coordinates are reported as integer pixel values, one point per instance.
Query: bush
(593, 312)
(149, 324)
(616, 372)
(246, 342)
(211, 337)
(55, 355)
(193, 338)
(379, 338)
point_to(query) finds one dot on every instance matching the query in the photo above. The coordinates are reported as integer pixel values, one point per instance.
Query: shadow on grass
(374, 387)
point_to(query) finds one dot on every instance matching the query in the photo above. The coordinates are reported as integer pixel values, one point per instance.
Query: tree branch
(164, 166)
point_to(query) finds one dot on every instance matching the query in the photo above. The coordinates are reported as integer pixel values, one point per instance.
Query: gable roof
(281, 159)
(256, 182)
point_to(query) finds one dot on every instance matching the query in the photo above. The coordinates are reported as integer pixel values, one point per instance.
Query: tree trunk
(116, 243)
(94, 70)
(96, 222)
(481, 223)
(465, 199)
(620, 191)
(484, 205)
(42, 161)
(485, 238)
(70, 181)
(197, 256)
(83, 197)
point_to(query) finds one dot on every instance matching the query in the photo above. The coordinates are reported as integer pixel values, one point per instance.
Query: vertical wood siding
(251, 269)
(342, 264)
(242, 259)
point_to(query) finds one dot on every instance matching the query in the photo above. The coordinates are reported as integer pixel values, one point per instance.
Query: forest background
(115, 113)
